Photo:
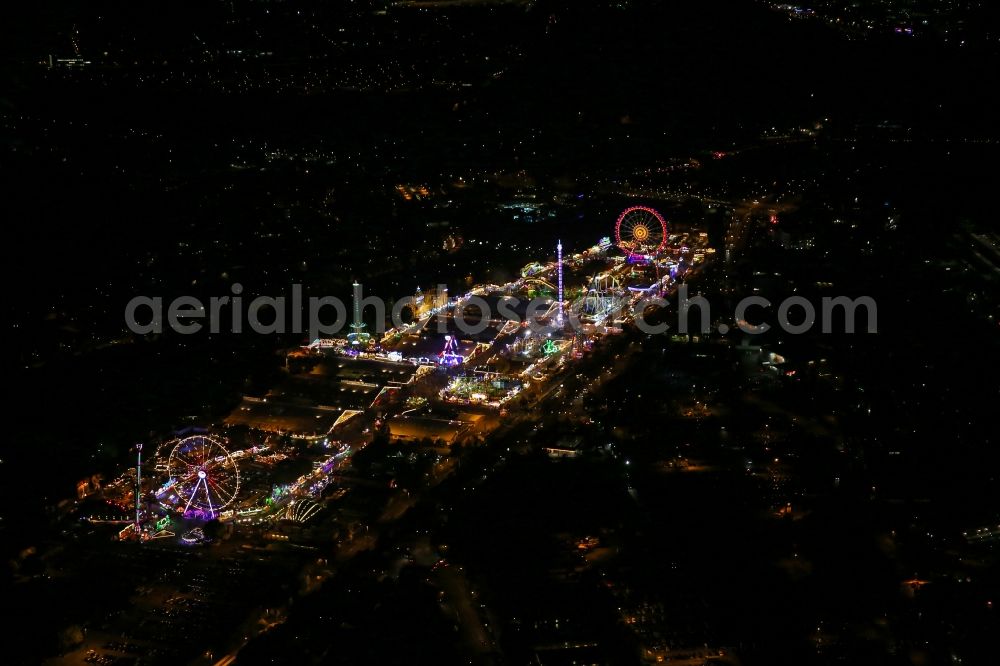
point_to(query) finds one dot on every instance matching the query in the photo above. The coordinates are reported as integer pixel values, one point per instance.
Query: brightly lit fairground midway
(197, 478)
(553, 308)
(462, 361)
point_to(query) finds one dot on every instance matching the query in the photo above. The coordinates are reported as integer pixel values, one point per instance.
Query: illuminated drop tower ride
(358, 335)
(138, 484)
(559, 259)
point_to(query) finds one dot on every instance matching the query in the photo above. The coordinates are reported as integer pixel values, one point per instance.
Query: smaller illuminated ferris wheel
(641, 231)
(205, 476)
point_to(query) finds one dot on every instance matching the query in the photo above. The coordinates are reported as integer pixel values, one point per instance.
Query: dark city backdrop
(594, 496)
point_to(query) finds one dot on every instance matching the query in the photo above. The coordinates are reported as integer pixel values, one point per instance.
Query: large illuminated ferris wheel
(641, 231)
(206, 478)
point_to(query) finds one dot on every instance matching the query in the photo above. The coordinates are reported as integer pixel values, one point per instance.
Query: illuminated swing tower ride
(559, 259)
(358, 335)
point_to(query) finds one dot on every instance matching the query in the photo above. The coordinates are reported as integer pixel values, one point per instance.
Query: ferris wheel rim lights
(198, 480)
(641, 232)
